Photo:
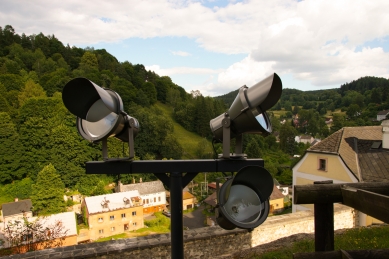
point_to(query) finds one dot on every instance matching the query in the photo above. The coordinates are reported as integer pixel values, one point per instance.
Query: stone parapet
(208, 242)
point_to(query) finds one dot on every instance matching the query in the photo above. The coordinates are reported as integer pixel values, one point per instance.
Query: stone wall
(209, 242)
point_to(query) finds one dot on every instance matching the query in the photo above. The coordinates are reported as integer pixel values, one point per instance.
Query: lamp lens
(261, 120)
(243, 204)
(101, 127)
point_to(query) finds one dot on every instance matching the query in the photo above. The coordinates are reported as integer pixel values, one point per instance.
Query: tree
(30, 90)
(11, 151)
(203, 149)
(338, 122)
(287, 135)
(252, 149)
(48, 192)
(353, 110)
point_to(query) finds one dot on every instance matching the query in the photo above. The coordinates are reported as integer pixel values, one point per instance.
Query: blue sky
(218, 46)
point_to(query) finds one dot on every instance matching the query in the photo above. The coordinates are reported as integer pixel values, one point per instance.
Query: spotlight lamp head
(100, 113)
(247, 114)
(243, 201)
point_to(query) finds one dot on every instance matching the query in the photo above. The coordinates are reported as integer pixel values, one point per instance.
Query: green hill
(188, 140)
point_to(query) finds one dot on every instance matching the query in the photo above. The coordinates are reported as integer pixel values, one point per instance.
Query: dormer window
(104, 203)
(126, 200)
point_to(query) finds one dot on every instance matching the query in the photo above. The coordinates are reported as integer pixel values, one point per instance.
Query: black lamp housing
(247, 114)
(243, 201)
(100, 113)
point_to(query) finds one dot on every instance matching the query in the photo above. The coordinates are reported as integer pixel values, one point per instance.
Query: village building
(16, 210)
(350, 155)
(113, 214)
(381, 115)
(152, 193)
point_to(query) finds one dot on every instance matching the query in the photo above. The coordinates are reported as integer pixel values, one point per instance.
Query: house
(152, 193)
(67, 220)
(16, 210)
(382, 115)
(352, 154)
(113, 214)
(188, 199)
(328, 120)
(304, 139)
(43, 232)
(276, 200)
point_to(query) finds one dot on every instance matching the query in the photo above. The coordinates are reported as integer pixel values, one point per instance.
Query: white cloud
(313, 40)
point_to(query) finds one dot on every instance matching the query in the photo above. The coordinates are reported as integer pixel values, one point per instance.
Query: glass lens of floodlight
(101, 127)
(243, 204)
(261, 120)
(97, 111)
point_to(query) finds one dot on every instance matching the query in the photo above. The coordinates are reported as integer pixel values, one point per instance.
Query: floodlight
(243, 201)
(100, 113)
(247, 114)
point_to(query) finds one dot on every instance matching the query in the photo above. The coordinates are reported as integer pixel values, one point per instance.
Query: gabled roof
(373, 161)
(383, 112)
(187, 195)
(276, 194)
(114, 201)
(18, 207)
(342, 143)
(68, 220)
(211, 199)
(145, 188)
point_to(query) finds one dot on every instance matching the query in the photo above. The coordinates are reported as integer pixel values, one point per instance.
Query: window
(101, 231)
(159, 198)
(123, 215)
(134, 213)
(322, 164)
(134, 223)
(100, 219)
(155, 199)
(112, 217)
(112, 229)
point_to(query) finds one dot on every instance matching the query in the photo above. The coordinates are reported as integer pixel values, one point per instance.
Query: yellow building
(113, 214)
(276, 200)
(349, 155)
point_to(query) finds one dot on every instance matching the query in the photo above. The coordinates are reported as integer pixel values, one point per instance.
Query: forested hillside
(37, 130)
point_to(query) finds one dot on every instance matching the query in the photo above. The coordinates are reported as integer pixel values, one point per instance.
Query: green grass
(161, 224)
(188, 140)
(278, 113)
(114, 237)
(352, 239)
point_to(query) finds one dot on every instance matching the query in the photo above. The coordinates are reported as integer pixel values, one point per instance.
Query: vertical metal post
(177, 222)
(324, 224)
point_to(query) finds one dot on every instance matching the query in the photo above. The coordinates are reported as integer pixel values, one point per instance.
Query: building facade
(113, 214)
(350, 155)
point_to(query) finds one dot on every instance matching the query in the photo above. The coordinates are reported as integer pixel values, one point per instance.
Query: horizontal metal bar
(372, 204)
(167, 166)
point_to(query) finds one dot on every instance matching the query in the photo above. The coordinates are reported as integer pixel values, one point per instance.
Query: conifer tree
(48, 191)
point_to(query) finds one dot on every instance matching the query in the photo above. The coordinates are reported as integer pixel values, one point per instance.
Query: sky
(216, 46)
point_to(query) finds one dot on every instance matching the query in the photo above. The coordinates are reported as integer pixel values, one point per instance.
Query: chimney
(16, 199)
(385, 134)
(140, 179)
